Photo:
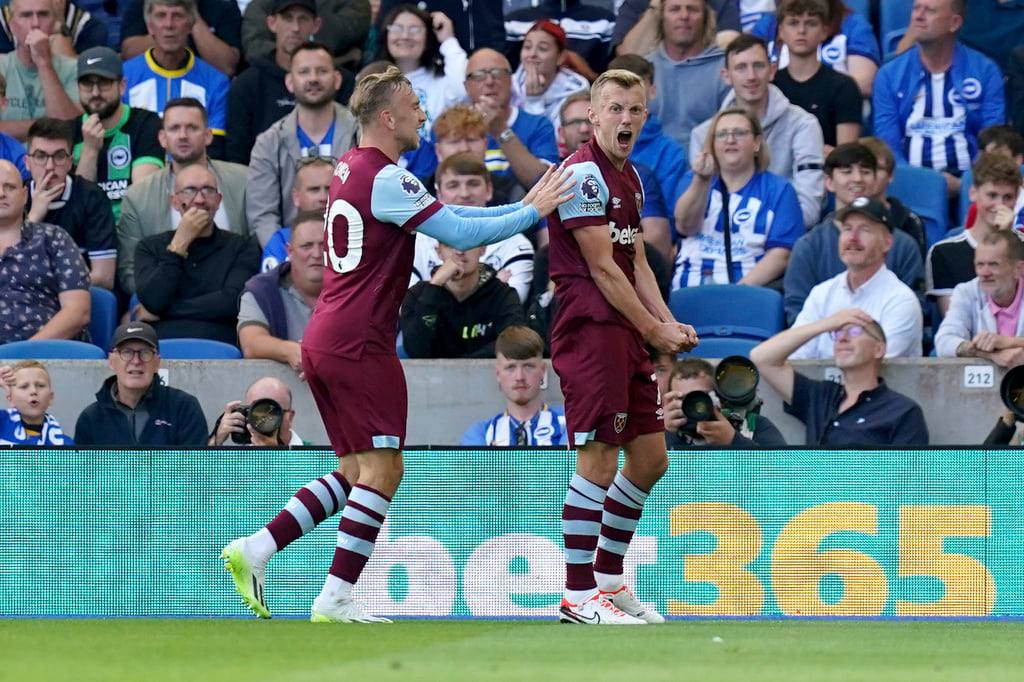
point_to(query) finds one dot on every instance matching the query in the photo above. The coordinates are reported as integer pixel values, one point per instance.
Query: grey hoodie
(797, 149)
(688, 92)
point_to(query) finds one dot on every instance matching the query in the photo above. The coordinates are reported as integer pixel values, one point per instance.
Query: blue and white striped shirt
(764, 214)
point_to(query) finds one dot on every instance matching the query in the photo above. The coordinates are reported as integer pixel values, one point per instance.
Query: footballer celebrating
(609, 307)
(348, 350)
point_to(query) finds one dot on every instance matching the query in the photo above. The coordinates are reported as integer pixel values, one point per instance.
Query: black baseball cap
(867, 206)
(282, 5)
(100, 61)
(136, 331)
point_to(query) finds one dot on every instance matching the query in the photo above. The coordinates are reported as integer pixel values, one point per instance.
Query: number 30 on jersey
(351, 232)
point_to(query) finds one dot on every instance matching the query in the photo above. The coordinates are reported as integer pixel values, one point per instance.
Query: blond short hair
(374, 92)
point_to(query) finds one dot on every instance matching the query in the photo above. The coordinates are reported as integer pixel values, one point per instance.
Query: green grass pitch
(520, 651)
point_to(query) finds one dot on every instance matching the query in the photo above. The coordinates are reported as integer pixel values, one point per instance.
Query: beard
(408, 144)
(323, 99)
(104, 110)
(196, 154)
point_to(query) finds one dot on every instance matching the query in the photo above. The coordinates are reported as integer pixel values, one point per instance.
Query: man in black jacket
(134, 407)
(188, 279)
(460, 311)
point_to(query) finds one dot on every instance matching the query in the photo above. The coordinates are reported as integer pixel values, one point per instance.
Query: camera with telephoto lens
(1011, 390)
(735, 383)
(264, 416)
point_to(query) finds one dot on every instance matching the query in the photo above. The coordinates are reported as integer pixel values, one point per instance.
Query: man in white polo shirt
(865, 237)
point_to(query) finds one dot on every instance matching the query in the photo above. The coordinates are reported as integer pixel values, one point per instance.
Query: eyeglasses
(101, 84)
(396, 29)
(497, 73)
(852, 331)
(42, 157)
(207, 191)
(315, 158)
(737, 134)
(145, 354)
(575, 123)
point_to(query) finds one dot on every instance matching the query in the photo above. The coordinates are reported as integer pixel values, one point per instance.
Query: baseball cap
(282, 5)
(137, 331)
(100, 61)
(867, 206)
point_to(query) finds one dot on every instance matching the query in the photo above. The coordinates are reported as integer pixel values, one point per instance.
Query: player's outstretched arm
(596, 246)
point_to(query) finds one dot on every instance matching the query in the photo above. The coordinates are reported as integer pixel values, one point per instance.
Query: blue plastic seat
(198, 349)
(861, 7)
(729, 310)
(718, 347)
(51, 349)
(923, 190)
(103, 317)
(893, 19)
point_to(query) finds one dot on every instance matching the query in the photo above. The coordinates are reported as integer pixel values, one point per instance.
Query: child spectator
(832, 97)
(29, 394)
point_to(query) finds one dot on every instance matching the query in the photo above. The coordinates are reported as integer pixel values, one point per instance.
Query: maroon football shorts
(363, 402)
(608, 383)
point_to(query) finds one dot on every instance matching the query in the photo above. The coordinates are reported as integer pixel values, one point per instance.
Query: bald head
(13, 195)
(270, 387)
(488, 74)
(197, 175)
(486, 57)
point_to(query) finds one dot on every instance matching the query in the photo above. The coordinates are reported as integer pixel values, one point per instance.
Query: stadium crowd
(180, 153)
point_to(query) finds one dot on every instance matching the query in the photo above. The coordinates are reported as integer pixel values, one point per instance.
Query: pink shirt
(1008, 317)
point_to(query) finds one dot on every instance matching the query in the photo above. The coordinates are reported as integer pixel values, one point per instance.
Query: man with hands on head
(860, 411)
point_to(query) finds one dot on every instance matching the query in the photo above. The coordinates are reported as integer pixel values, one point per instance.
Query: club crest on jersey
(411, 185)
(639, 201)
(620, 422)
(342, 171)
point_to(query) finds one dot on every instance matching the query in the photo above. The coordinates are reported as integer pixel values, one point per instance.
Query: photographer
(743, 427)
(1012, 393)
(255, 424)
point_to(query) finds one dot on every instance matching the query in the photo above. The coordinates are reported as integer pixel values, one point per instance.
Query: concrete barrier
(959, 397)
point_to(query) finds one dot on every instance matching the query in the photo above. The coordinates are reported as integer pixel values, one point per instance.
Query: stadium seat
(51, 349)
(965, 195)
(729, 310)
(923, 190)
(861, 7)
(103, 317)
(893, 19)
(198, 349)
(722, 347)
